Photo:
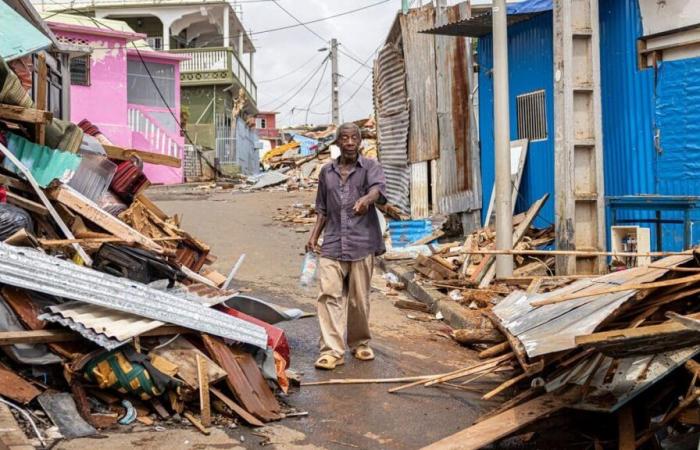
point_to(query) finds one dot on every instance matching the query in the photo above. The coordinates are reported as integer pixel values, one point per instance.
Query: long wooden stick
(502, 387)
(487, 365)
(613, 289)
(62, 242)
(567, 253)
(370, 380)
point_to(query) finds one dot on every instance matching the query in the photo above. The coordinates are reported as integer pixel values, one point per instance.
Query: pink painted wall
(104, 101)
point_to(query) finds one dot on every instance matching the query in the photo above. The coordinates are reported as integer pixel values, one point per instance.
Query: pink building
(130, 92)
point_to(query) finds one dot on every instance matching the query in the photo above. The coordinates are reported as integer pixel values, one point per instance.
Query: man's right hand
(312, 245)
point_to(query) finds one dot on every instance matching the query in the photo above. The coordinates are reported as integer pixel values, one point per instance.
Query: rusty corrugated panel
(454, 180)
(419, 54)
(391, 106)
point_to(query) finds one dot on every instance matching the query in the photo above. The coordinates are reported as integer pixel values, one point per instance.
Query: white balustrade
(160, 140)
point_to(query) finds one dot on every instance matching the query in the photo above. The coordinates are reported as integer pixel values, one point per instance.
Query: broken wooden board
(236, 408)
(91, 211)
(504, 424)
(647, 340)
(16, 388)
(12, 437)
(244, 379)
(26, 115)
(183, 354)
(124, 154)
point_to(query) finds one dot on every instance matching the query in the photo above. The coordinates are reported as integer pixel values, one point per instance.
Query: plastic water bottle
(309, 268)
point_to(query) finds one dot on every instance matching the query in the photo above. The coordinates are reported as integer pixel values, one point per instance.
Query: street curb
(436, 300)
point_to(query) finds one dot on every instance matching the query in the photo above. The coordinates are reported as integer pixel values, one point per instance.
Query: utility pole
(504, 210)
(334, 84)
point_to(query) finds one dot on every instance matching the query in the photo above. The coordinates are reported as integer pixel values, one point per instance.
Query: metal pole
(504, 211)
(334, 94)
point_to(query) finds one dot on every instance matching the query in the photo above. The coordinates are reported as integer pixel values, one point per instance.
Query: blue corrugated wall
(637, 105)
(530, 63)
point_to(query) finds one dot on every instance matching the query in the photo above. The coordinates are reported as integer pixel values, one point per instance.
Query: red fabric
(128, 181)
(3, 194)
(275, 336)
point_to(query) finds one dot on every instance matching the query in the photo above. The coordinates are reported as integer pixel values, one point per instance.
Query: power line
(300, 87)
(307, 77)
(320, 80)
(356, 90)
(348, 79)
(289, 73)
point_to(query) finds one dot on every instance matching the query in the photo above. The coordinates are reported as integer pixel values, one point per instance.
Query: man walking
(348, 188)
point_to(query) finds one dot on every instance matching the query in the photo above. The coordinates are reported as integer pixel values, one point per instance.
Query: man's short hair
(348, 126)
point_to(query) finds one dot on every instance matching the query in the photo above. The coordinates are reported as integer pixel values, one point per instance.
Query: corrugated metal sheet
(554, 327)
(111, 329)
(420, 189)
(247, 155)
(454, 184)
(421, 83)
(33, 270)
(391, 106)
(17, 36)
(531, 61)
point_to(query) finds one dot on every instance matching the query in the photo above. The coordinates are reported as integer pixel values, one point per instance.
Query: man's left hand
(361, 206)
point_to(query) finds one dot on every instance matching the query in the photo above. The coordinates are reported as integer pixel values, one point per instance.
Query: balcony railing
(219, 59)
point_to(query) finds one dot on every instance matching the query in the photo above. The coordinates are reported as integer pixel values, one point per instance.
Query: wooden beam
(625, 426)
(572, 253)
(64, 242)
(203, 382)
(503, 424)
(27, 204)
(613, 289)
(124, 154)
(40, 101)
(15, 183)
(95, 214)
(25, 115)
(54, 336)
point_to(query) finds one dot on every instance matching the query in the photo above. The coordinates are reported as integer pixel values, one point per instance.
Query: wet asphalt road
(340, 416)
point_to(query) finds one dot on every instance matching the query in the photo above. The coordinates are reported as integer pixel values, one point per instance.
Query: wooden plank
(15, 183)
(244, 379)
(26, 115)
(496, 350)
(27, 204)
(518, 235)
(412, 305)
(613, 289)
(52, 336)
(434, 266)
(641, 340)
(197, 424)
(503, 424)
(236, 408)
(203, 383)
(184, 354)
(16, 388)
(95, 214)
(40, 101)
(124, 154)
(505, 385)
(427, 239)
(12, 437)
(625, 426)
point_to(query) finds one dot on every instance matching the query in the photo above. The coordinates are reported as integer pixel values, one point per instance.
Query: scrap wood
(123, 154)
(412, 305)
(25, 115)
(185, 355)
(197, 424)
(685, 403)
(27, 204)
(477, 336)
(244, 379)
(515, 345)
(505, 423)
(233, 406)
(16, 388)
(496, 350)
(625, 426)
(52, 336)
(572, 253)
(459, 373)
(613, 289)
(203, 385)
(91, 211)
(505, 385)
(12, 437)
(370, 380)
(650, 339)
(427, 239)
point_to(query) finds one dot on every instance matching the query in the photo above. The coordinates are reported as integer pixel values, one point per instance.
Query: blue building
(650, 89)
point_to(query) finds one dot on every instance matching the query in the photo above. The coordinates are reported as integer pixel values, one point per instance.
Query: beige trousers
(343, 304)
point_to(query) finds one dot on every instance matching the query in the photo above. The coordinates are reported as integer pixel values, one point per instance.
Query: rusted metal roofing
(457, 186)
(421, 83)
(476, 26)
(391, 105)
(33, 270)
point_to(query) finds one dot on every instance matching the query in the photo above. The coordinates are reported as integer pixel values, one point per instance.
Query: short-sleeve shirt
(348, 236)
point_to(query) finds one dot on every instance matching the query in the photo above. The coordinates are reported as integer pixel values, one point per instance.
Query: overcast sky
(282, 52)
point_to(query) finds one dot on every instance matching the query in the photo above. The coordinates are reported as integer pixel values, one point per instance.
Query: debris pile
(108, 311)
